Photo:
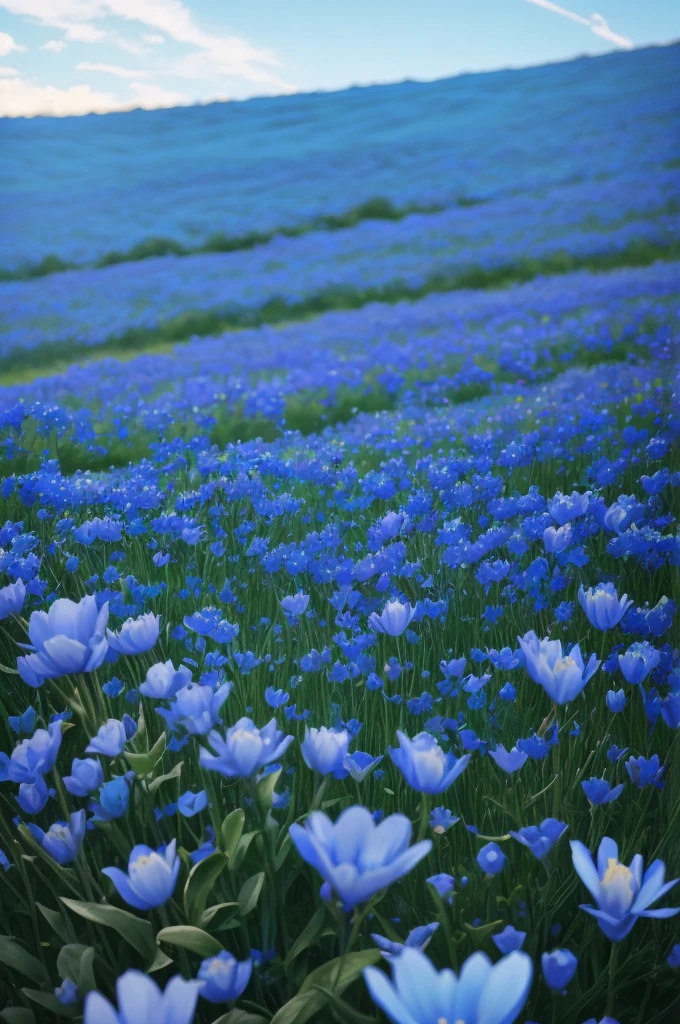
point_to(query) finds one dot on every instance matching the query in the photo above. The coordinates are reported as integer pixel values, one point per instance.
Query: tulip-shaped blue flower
(599, 791)
(244, 749)
(491, 859)
(151, 878)
(603, 606)
(638, 661)
(223, 977)
(135, 635)
(508, 940)
(356, 857)
(196, 708)
(163, 680)
(424, 765)
(643, 772)
(393, 620)
(295, 605)
(622, 893)
(509, 760)
(68, 638)
(540, 839)
(110, 739)
(324, 751)
(33, 757)
(483, 993)
(33, 796)
(562, 677)
(86, 775)
(12, 599)
(62, 840)
(559, 967)
(140, 1001)
(360, 764)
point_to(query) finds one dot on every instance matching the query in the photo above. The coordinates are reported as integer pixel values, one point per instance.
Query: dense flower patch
(340, 659)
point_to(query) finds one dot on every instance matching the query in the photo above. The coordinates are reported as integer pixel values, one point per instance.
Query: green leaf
(136, 932)
(237, 1016)
(218, 915)
(337, 975)
(77, 963)
(342, 1011)
(231, 831)
(144, 764)
(250, 893)
(480, 934)
(241, 850)
(17, 1015)
(307, 936)
(59, 924)
(187, 937)
(16, 958)
(264, 790)
(49, 1001)
(284, 850)
(199, 883)
(174, 774)
(160, 961)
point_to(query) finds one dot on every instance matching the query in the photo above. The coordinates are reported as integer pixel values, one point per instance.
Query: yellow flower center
(617, 872)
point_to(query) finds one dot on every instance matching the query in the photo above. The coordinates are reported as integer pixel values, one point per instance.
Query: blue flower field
(339, 558)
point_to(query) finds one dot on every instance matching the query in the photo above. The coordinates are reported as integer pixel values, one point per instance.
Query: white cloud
(112, 69)
(7, 45)
(54, 46)
(21, 98)
(7, 72)
(596, 23)
(221, 55)
(153, 39)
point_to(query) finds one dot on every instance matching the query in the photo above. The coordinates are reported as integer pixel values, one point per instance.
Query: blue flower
(562, 677)
(673, 958)
(424, 765)
(196, 708)
(190, 804)
(540, 840)
(508, 940)
(223, 977)
(441, 820)
(442, 883)
(110, 739)
(559, 967)
(151, 878)
(417, 938)
(12, 599)
(140, 1001)
(86, 775)
(23, 723)
(556, 540)
(482, 992)
(509, 760)
(564, 508)
(622, 893)
(33, 796)
(62, 840)
(163, 680)
(599, 791)
(296, 605)
(356, 857)
(643, 772)
(324, 750)
(639, 660)
(136, 635)
(491, 859)
(69, 638)
(33, 757)
(360, 764)
(275, 698)
(244, 749)
(393, 620)
(67, 992)
(114, 797)
(603, 606)
(616, 701)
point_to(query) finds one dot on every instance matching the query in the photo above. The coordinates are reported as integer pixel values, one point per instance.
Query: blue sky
(77, 56)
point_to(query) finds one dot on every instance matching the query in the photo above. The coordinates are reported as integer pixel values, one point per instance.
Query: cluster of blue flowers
(373, 713)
